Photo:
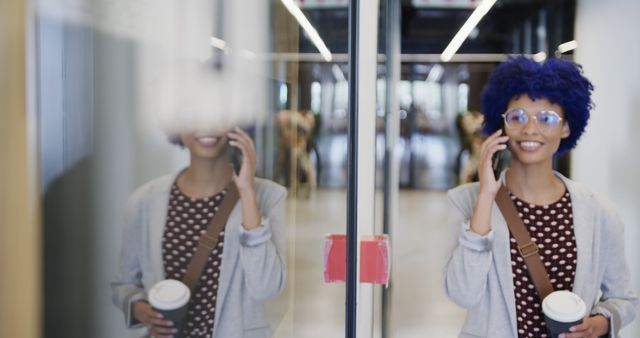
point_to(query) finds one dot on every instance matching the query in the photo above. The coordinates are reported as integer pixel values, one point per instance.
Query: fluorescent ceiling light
(218, 43)
(539, 57)
(567, 46)
(464, 31)
(337, 72)
(435, 74)
(306, 25)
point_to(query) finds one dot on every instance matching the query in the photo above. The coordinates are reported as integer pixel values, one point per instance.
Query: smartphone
(235, 154)
(235, 158)
(500, 158)
(497, 163)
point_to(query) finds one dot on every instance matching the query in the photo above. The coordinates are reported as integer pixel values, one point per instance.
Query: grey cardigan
(478, 273)
(253, 263)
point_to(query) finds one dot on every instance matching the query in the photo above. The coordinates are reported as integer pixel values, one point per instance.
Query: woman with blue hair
(537, 111)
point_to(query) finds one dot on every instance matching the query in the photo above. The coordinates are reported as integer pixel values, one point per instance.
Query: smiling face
(206, 144)
(530, 143)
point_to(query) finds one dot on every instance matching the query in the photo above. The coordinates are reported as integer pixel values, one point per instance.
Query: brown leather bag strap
(527, 248)
(209, 239)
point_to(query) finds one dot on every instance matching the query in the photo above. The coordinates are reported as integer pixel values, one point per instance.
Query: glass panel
(130, 91)
(117, 78)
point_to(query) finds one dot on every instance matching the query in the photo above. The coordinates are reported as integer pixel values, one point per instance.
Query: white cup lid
(169, 294)
(564, 306)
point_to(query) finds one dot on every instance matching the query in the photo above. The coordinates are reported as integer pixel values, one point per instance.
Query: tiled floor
(418, 308)
(310, 308)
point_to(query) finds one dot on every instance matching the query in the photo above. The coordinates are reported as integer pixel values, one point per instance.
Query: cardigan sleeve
(465, 274)
(618, 302)
(262, 250)
(126, 287)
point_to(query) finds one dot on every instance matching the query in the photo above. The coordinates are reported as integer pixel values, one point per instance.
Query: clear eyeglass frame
(544, 120)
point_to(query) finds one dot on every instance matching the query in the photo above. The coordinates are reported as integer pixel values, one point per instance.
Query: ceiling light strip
(464, 31)
(567, 46)
(306, 25)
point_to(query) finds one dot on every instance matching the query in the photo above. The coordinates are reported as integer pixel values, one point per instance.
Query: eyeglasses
(545, 120)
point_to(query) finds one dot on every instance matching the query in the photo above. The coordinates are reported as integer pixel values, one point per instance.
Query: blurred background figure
(297, 169)
(469, 170)
(469, 127)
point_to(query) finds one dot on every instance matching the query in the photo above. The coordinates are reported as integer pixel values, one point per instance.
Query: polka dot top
(187, 220)
(551, 228)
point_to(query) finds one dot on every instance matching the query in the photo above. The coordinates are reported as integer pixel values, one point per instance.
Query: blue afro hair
(559, 81)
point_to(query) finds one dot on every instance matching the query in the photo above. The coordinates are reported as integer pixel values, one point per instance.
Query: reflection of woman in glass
(164, 221)
(543, 109)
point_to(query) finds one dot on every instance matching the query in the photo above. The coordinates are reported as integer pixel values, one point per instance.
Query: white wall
(607, 158)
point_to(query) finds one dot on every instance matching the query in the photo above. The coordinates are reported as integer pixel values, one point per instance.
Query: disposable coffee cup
(562, 310)
(170, 298)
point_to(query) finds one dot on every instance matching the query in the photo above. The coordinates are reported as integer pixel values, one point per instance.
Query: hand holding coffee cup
(168, 300)
(562, 310)
(154, 322)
